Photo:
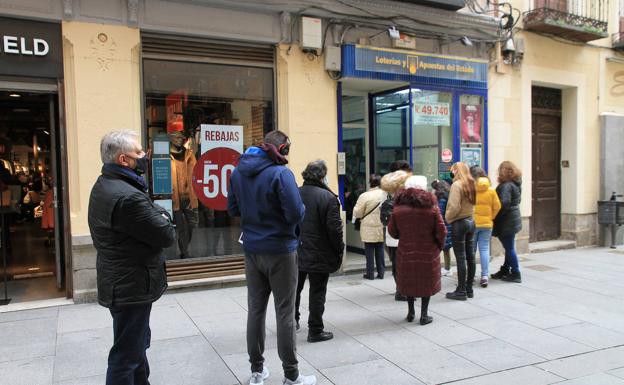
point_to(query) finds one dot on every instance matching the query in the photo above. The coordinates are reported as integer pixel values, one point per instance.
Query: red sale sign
(211, 176)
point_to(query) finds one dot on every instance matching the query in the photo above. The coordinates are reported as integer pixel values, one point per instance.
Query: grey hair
(316, 170)
(115, 143)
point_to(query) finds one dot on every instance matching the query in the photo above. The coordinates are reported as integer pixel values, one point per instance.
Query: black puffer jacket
(129, 233)
(321, 247)
(508, 221)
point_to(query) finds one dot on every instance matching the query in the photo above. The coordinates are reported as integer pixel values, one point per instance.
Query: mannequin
(184, 199)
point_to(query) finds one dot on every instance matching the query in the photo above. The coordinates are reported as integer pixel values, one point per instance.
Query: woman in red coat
(417, 223)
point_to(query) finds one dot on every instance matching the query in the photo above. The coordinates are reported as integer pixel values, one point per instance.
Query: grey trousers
(275, 273)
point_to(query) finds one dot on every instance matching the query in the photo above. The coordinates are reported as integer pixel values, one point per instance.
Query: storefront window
(471, 124)
(391, 129)
(432, 133)
(181, 98)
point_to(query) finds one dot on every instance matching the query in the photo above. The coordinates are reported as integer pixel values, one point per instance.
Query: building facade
(355, 82)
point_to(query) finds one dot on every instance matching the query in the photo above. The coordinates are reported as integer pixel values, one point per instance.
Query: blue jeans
(511, 258)
(127, 361)
(482, 239)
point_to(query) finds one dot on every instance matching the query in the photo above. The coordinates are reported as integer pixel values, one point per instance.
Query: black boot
(410, 309)
(457, 295)
(424, 306)
(399, 297)
(460, 292)
(320, 337)
(469, 279)
(513, 277)
(504, 270)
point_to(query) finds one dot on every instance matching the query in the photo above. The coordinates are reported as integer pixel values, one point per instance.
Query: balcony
(575, 20)
(618, 41)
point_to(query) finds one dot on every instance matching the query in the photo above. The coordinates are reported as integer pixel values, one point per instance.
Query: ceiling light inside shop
(21, 110)
(14, 95)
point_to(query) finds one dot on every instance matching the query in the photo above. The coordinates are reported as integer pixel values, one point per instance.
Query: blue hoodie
(266, 197)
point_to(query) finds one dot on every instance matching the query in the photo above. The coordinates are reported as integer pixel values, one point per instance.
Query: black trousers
(127, 361)
(374, 252)
(463, 246)
(318, 291)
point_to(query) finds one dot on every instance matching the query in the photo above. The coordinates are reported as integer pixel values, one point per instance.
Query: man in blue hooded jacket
(264, 193)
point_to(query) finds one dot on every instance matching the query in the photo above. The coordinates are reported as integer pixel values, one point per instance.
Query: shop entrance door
(546, 144)
(30, 170)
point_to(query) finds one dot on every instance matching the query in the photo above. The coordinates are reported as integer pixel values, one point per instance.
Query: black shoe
(426, 320)
(410, 317)
(457, 295)
(320, 337)
(513, 277)
(366, 276)
(469, 293)
(504, 270)
(297, 324)
(380, 276)
(399, 297)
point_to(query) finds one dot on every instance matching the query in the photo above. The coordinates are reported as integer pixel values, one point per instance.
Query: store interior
(27, 184)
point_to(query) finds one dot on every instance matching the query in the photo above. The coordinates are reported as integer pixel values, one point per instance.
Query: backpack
(386, 210)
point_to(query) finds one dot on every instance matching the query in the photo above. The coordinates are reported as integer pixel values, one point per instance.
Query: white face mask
(326, 180)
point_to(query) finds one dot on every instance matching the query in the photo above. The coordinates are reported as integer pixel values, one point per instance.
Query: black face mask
(452, 175)
(141, 165)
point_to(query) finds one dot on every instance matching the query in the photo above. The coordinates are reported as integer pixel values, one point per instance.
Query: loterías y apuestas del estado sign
(17, 45)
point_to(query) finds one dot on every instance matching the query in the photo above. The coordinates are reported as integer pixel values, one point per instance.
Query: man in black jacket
(129, 233)
(321, 249)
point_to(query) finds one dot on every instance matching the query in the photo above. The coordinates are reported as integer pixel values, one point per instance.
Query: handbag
(358, 221)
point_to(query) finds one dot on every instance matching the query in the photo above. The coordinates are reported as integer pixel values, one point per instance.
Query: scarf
(125, 173)
(273, 153)
(318, 183)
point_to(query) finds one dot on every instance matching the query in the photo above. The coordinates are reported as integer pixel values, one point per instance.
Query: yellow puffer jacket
(487, 206)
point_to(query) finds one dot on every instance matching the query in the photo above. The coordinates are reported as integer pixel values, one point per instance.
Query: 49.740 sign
(432, 114)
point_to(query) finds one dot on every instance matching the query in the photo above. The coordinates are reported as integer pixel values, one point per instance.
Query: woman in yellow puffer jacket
(485, 211)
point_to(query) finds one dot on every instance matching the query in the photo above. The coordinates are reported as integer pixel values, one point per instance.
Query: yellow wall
(307, 110)
(102, 93)
(575, 70)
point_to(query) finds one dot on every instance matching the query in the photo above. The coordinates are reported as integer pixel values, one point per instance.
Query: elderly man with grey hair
(129, 233)
(321, 248)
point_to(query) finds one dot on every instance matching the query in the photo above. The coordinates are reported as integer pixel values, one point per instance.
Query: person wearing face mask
(129, 234)
(185, 203)
(321, 248)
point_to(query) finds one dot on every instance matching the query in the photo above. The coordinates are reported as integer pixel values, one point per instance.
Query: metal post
(6, 299)
(613, 234)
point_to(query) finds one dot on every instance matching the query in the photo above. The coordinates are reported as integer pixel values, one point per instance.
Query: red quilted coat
(417, 223)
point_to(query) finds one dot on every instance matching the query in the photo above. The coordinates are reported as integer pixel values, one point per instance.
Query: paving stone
(586, 364)
(354, 319)
(239, 365)
(95, 380)
(347, 351)
(595, 379)
(495, 355)
(27, 339)
(188, 361)
(368, 297)
(30, 371)
(170, 321)
(521, 376)
(589, 334)
(378, 372)
(83, 317)
(446, 332)
(48, 312)
(532, 339)
(82, 354)
(617, 372)
(196, 305)
(458, 310)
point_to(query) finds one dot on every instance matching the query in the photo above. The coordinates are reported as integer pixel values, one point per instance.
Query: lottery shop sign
(221, 146)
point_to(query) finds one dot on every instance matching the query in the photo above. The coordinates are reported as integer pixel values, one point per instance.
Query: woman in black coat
(321, 248)
(508, 222)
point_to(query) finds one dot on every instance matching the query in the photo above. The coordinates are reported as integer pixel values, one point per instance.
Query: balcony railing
(618, 41)
(577, 20)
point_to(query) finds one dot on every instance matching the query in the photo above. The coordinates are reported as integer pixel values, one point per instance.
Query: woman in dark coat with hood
(508, 222)
(321, 248)
(418, 225)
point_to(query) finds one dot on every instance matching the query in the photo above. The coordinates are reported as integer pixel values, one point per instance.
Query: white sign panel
(215, 136)
(432, 114)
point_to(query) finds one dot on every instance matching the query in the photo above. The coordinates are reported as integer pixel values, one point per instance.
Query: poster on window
(470, 123)
(471, 156)
(432, 114)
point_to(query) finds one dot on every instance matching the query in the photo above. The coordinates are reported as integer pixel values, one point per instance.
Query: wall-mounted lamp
(394, 33)
(513, 51)
(465, 40)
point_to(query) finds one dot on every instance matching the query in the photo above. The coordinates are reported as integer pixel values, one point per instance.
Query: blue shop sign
(415, 67)
(161, 176)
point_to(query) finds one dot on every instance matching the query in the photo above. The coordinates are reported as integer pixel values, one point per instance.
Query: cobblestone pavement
(563, 324)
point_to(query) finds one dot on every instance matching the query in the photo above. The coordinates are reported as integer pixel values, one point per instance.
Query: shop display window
(471, 129)
(188, 107)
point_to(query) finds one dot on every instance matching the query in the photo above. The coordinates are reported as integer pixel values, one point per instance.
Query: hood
(391, 182)
(483, 184)
(253, 161)
(518, 182)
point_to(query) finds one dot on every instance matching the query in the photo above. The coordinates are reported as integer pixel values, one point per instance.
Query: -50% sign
(211, 176)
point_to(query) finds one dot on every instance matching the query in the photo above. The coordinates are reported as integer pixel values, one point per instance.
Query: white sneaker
(301, 380)
(258, 378)
(446, 273)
